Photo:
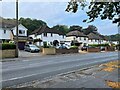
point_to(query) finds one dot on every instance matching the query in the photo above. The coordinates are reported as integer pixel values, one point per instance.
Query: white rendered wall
(20, 27)
(4, 35)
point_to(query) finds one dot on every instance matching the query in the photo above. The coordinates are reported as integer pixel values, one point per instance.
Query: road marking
(52, 62)
(102, 61)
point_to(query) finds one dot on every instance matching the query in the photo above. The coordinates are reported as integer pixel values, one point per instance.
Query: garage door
(21, 45)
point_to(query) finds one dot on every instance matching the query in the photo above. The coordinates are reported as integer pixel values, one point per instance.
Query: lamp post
(17, 28)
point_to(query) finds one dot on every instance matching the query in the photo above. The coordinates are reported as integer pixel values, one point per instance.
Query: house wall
(83, 40)
(48, 39)
(22, 28)
(4, 35)
(93, 41)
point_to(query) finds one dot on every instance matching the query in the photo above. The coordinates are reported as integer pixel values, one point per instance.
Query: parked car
(67, 46)
(102, 48)
(31, 48)
(64, 46)
(84, 48)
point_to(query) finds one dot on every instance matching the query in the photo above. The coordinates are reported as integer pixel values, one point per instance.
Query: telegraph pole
(17, 54)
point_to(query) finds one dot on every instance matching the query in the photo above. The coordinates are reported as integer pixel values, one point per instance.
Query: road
(22, 71)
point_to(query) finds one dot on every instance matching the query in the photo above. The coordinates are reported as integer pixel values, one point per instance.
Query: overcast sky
(53, 13)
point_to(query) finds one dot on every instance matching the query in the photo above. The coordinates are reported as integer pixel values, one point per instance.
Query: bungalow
(77, 37)
(8, 31)
(46, 34)
(94, 38)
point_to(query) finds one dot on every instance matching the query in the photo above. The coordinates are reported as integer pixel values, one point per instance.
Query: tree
(31, 24)
(75, 27)
(104, 10)
(62, 28)
(90, 29)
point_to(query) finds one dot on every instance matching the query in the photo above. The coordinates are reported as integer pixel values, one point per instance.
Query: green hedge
(5, 46)
(98, 45)
(74, 47)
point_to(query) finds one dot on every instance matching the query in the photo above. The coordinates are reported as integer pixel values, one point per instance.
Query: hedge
(5, 46)
(98, 45)
(74, 47)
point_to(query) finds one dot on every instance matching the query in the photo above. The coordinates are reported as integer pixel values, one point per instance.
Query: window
(84, 38)
(4, 31)
(80, 38)
(21, 32)
(63, 36)
(51, 35)
(45, 34)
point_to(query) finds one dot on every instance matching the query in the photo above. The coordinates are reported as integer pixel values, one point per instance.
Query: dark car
(31, 48)
(102, 48)
(84, 48)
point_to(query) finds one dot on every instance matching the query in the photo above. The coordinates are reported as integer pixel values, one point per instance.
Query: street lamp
(17, 28)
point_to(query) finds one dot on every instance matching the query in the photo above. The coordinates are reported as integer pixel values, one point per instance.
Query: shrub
(74, 47)
(5, 46)
(46, 46)
(98, 45)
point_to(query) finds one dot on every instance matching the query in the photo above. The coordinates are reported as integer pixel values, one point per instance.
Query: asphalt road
(22, 71)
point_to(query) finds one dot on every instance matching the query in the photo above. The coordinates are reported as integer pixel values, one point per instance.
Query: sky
(53, 13)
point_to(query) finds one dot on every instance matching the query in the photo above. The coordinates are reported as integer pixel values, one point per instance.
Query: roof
(76, 33)
(94, 36)
(7, 23)
(46, 29)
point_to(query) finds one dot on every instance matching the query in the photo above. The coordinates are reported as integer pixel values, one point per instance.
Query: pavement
(92, 77)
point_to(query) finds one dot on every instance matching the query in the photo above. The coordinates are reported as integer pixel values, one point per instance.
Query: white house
(46, 34)
(96, 39)
(8, 32)
(76, 37)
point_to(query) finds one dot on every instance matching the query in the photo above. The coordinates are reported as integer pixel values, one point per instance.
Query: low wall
(7, 53)
(66, 51)
(93, 49)
(48, 51)
(109, 49)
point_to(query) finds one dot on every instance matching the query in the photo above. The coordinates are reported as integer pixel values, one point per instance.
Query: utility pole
(17, 54)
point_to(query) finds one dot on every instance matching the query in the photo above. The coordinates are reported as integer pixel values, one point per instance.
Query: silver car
(31, 48)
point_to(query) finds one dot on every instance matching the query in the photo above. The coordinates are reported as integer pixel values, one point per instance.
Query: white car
(64, 46)
(31, 48)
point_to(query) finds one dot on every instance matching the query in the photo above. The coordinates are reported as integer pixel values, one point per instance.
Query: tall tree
(62, 28)
(75, 27)
(90, 29)
(31, 24)
(97, 8)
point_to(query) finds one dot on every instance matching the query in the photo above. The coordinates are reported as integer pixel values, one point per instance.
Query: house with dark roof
(76, 35)
(8, 32)
(46, 34)
(96, 38)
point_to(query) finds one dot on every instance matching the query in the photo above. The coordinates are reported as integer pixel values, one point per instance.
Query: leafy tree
(31, 24)
(75, 27)
(62, 28)
(97, 8)
(90, 29)
(115, 37)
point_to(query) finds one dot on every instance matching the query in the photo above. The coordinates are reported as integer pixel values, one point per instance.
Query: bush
(74, 47)
(5, 46)
(46, 46)
(98, 45)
